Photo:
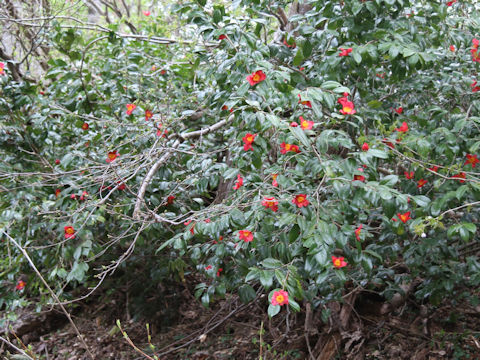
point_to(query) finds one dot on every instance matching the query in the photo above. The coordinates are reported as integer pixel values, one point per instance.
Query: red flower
(69, 232)
(248, 140)
(306, 102)
(148, 115)
(112, 155)
(404, 217)
(208, 267)
(358, 230)
(83, 196)
(73, 196)
(221, 37)
(170, 199)
(348, 108)
(219, 271)
(20, 285)
(474, 50)
(421, 182)
(238, 183)
(461, 176)
(293, 124)
(256, 77)
(192, 229)
(398, 110)
(284, 148)
(293, 46)
(270, 203)
(163, 72)
(338, 262)
(403, 128)
(224, 107)
(274, 180)
(279, 297)
(57, 161)
(452, 48)
(434, 168)
(300, 200)
(2, 66)
(85, 126)
(359, 178)
(57, 192)
(450, 3)
(305, 124)
(474, 86)
(472, 160)
(365, 147)
(245, 235)
(345, 52)
(381, 76)
(122, 187)
(130, 108)
(409, 175)
(146, 13)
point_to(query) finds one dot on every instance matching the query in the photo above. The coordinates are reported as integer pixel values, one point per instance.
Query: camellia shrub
(292, 150)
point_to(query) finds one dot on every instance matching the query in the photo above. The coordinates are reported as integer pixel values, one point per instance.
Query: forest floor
(184, 329)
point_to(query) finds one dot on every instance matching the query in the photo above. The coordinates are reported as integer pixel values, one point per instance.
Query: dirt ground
(357, 329)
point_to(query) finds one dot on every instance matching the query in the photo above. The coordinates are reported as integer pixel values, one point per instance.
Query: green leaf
(378, 153)
(293, 304)
(273, 310)
(271, 263)
(246, 293)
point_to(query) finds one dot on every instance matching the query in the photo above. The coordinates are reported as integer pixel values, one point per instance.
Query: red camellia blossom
(73, 196)
(112, 155)
(130, 108)
(293, 124)
(238, 183)
(256, 77)
(403, 128)
(404, 217)
(359, 177)
(460, 176)
(409, 175)
(279, 297)
(305, 124)
(219, 271)
(163, 72)
(2, 67)
(248, 140)
(474, 86)
(345, 52)
(300, 200)
(170, 199)
(57, 192)
(474, 51)
(306, 102)
(270, 203)
(348, 108)
(365, 147)
(450, 3)
(274, 180)
(20, 285)
(85, 126)
(284, 148)
(148, 115)
(245, 235)
(83, 196)
(421, 182)
(358, 230)
(434, 168)
(146, 13)
(69, 232)
(398, 110)
(57, 161)
(472, 160)
(221, 37)
(122, 187)
(452, 48)
(208, 267)
(339, 262)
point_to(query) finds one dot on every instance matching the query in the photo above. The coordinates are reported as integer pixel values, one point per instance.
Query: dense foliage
(347, 155)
